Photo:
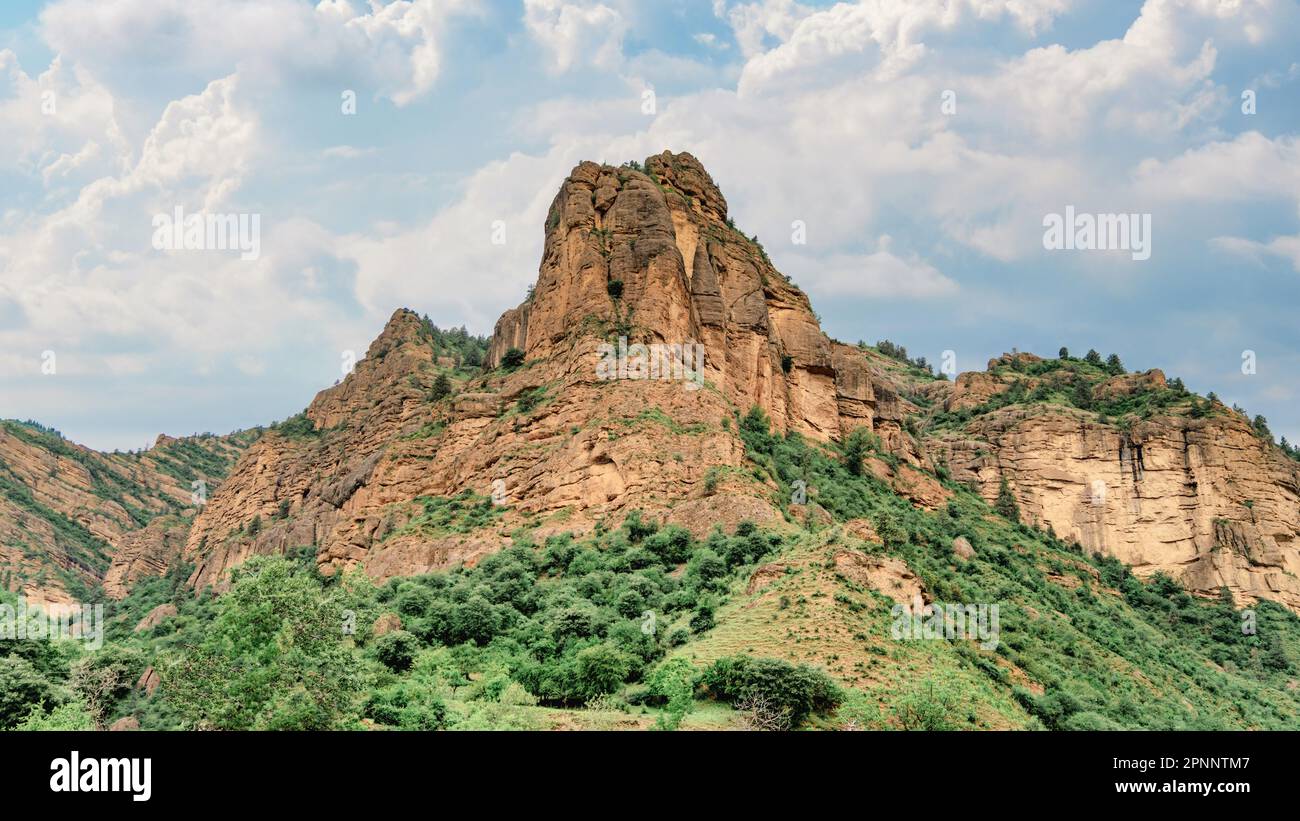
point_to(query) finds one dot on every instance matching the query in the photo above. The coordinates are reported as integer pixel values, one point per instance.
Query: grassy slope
(1083, 643)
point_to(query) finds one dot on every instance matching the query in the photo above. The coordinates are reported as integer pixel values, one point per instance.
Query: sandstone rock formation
(155, 617)
(564, 447)
(381, 472)
(1203, 500)
(66, 511)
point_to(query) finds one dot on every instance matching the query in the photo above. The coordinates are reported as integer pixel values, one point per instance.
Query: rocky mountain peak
(404, 326)
(645, 254)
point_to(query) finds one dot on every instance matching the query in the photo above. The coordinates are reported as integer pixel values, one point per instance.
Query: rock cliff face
(1204, 500)
(68, 514)
(647, 256)
(687, 275)
(631, 258)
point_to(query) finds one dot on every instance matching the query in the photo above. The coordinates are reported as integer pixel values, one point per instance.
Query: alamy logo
(129, 775)
(64, 621)
(682, 363)
(208, 232)
(1098, 232)
(946, 621)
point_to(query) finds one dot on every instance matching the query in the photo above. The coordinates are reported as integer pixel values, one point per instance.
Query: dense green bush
(21, 688)
(407, 706)
(275, 656)
(512, 358)
(396, 650)
(797, 691)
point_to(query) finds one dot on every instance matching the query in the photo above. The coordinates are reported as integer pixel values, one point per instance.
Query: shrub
(441, 388)
(104, 678)
(528, 399)
(673, 683)
(795, 691)
(672, 544)
(414, 600)
(601, 669)
(706, 566)
(926, 708)
(21, 687)
(1006, 502)
(407, 706)
(856, 446)
(512, 359)
(69, 716)
(396, 650)
(703, 619)
(711, 479)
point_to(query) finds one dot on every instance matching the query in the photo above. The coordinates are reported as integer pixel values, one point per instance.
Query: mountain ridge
(648, 253)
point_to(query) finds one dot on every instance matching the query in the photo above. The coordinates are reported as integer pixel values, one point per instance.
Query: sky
(919, 144)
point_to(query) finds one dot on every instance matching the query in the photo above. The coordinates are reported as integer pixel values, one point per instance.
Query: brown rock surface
(962, 548)
(67, 511)
(888, 574)
(1204, 500)
(583, 448)
(565, 449)
(149, 681)
(386, 624)
(155, 617)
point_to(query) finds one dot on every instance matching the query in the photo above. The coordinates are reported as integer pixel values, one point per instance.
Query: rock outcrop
(648, 256)
(68, 514)
(1203, 500)
(631, 258)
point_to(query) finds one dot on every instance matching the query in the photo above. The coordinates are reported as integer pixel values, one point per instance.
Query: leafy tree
(21, 688)
(104, 678)
(407, 705)
(601, 669)
(441, 388)
(673, 681)
(1006, 504)
(1064, 353)
(512, 359)
(796, 691)
(704, 619)
(891, 532)
(706, 566)
(1113, 366)
(1260, 424)
(68, 716)
(1082, 393)
(275, 656)
(396, 650)
(1092, 358)
(476, 620)
(856, 446)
